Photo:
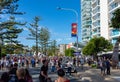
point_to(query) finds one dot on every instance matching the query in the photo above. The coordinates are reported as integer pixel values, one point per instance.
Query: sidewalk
(93, 75)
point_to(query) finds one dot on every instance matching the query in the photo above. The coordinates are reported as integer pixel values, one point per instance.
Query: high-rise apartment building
(112, 6)
(86, 21)
(101, 15)
(100, 18)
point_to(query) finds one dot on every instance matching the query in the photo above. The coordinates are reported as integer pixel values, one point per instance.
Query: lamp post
(76, 13)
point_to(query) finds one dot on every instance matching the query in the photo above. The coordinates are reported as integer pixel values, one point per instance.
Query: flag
(74, 30)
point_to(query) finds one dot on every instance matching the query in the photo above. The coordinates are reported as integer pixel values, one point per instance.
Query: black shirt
(22, 80)
(44, 69)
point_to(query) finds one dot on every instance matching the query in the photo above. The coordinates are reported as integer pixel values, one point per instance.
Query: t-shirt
(44, 69)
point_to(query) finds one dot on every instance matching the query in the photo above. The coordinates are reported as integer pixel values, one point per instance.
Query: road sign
(76, 53)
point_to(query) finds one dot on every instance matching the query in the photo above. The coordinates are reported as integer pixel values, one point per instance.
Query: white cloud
(25, 29)
(20, 19)
(59, 40)
(68, 38)
(39, 27)
(3, 16)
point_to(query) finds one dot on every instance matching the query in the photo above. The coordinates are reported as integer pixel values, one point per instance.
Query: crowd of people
(22, 61)
(16, 74)
(17, 67)
(104, 65)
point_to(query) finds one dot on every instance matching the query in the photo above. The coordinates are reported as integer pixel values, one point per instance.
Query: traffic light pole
(76, 13)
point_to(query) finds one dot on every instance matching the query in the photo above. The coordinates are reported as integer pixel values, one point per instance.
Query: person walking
(69, 67)
(43, 72)
(108, 67)
(82, 63)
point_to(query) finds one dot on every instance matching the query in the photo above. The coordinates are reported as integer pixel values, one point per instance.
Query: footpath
(86, 75)
(93, 75)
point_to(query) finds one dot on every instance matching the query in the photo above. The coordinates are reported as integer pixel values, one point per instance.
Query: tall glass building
(86, 20)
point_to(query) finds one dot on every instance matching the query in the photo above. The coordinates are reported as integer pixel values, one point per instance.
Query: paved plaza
(88, 75)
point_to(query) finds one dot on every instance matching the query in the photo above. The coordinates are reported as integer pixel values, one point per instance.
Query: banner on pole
(74, 30)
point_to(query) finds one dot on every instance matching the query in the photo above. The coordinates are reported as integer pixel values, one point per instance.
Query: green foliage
(69, 52)
(88, 49)
(44, 37)
(40, 35)
(34, 32)
(12, 49)
(93, 65)
(8, 29)
(9, 7)
(115, 21)
(96, 45)
(12, 30)
(52, 50)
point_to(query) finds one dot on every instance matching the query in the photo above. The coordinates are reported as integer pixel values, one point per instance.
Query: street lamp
(76, 13)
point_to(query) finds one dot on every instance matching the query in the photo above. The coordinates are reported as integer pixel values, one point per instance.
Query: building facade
(62, 48)
(101, 14)
(112, 6)
(86, 19)
(100, 19)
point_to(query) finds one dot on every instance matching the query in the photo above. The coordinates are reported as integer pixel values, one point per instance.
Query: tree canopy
(69, 52)
(41, 35)
(44, 37)
(115, 21)
(96, 45)
(34, 31)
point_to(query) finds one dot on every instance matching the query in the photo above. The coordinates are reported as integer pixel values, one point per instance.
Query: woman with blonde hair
(28, 77)
(21, 75)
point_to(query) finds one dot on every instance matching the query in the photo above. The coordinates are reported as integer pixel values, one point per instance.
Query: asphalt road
(35, 74)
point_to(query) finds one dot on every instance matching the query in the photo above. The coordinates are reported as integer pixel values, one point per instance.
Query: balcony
(116, 0)
(93, 1)
(112, 10)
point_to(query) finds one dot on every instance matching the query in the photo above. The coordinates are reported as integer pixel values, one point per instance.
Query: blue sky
(57, 21)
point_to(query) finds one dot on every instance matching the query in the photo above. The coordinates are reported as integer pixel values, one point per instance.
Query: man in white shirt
(69, 67)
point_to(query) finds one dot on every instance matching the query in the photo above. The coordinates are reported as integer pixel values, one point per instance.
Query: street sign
(76, 53)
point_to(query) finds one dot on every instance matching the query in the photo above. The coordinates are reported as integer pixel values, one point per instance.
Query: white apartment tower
(86, 19)
(100, 18)
(101, 11)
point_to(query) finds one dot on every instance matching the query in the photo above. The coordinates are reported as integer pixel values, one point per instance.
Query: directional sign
(76, 53)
